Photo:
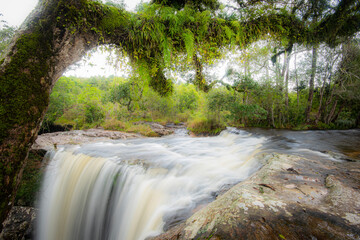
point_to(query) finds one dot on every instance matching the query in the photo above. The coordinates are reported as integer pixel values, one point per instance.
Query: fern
(166, 49)
(188, 38)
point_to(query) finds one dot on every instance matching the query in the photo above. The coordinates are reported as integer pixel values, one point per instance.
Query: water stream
(132, 189)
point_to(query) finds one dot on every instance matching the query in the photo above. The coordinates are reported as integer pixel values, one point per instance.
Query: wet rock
(339, 156)
(19, 225)
(52, 140)
(318, 201)
(158, 128)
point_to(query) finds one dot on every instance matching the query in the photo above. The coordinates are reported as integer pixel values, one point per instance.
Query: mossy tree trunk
(47, 44)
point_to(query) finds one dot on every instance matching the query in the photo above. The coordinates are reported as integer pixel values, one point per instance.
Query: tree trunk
(332, 112)
(338, 113)
(357, 123)
(322, 90)
(37, 57)
(297, 83)
(328, 102)
(199, 77)
(311, 83)
(287, 58)
(272, 116)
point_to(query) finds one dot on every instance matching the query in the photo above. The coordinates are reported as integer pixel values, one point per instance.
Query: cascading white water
(132, 189)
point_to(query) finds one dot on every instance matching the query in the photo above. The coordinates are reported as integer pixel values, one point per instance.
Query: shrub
(205, 126)
(345, 123)
(143, 129)
(93, 113)
(114, 124)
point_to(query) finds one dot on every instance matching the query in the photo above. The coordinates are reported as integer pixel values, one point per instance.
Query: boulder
(158, 128)
(289, 198)
(19, 225)
(50, 141)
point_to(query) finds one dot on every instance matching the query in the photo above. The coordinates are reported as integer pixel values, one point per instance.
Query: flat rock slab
(50, 140)
(289, 198)
(158, 128)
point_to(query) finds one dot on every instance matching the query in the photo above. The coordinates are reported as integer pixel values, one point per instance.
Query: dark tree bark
(286, 76)
(332, 112)
(297, 83)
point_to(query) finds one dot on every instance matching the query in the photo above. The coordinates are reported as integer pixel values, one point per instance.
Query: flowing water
(132, 189)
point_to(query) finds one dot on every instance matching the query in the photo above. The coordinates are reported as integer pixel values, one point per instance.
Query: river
(132, 189)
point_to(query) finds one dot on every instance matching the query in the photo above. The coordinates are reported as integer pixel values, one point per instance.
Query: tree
(59, 32)
(6, 34)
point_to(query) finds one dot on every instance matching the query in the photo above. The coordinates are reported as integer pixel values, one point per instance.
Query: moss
(22, 96)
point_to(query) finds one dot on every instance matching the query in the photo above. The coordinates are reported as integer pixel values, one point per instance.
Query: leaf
(188, 38)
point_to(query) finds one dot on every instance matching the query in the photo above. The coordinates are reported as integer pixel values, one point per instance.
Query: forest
(247, 98)
(270, 83)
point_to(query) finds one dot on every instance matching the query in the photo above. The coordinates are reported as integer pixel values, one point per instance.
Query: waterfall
(132, 189)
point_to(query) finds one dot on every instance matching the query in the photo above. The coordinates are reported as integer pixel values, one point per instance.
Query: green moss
(22, 95)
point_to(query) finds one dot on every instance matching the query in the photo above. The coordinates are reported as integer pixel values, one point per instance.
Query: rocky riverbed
(50, 141)
(290, 197)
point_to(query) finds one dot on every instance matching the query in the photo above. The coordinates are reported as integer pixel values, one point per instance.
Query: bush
(325, 126)
(143, 129)
(183, 117)
(205, 126)
(93, 113)
(345, 123)
(114, 124)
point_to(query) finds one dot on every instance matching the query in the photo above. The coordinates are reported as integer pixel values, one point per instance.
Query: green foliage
(205, 126)
(121, 93)
(324, 126)
(6, 34)
(93, 113)
(188, 38)
(253, 111)
(345, 123)
(61, 98)
(31, 180)
(186, 97)
(114, 124)
(219, 99)
(143, 129)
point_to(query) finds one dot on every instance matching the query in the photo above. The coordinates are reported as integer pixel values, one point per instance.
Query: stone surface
(158, 128)
(19, 225)
(51, 140)
(289, 198)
